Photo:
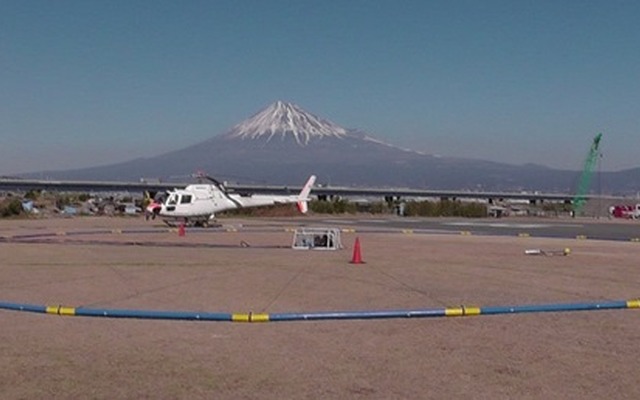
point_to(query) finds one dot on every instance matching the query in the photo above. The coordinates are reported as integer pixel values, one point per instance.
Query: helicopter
(197, 204)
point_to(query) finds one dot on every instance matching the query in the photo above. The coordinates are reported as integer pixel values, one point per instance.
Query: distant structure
(585, 177)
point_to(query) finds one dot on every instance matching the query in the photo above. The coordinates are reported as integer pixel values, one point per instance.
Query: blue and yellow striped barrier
(459, 311)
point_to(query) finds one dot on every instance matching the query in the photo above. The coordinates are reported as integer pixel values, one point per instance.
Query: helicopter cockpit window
(173, 200)
(185, 199)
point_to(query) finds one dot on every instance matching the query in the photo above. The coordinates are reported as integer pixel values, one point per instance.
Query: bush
(557, 207)
(32, 195)
(339, 206)
(445, 208)
(276, 210)
(11, 208)
(379, 207)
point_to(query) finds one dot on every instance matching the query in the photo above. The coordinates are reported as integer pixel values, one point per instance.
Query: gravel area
(586, 355)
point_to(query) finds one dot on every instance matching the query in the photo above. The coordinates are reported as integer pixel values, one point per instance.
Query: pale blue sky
(86, 83)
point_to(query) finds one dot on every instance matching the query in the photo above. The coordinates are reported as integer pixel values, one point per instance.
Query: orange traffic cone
(357, 257)
(181, 230)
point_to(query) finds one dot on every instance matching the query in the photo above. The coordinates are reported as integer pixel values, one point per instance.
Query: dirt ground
(586, 355)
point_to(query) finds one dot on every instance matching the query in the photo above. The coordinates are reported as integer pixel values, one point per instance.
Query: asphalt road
(618, 230)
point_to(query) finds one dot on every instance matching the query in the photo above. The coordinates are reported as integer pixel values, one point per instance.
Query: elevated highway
(13, 184)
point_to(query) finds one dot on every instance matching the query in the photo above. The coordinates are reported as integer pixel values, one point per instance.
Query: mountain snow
(281, 119)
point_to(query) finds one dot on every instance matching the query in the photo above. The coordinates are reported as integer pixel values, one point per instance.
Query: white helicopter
(197, 204)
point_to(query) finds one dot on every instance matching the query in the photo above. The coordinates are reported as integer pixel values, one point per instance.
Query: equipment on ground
(538, 252)
(316, 239)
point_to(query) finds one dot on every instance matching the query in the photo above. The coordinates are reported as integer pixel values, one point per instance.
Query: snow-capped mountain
(284, 144)
(281, 120)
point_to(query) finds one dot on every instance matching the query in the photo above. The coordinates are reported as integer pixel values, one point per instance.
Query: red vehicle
(625, 211)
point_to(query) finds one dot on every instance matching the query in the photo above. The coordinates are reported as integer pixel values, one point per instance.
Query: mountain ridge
(284, 144)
